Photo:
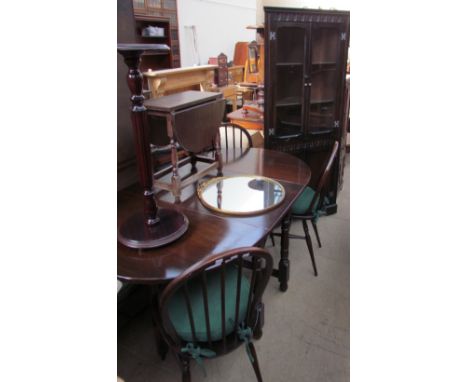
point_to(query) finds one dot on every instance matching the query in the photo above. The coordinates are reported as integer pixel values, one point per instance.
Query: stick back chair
(235, 141)
(307, 206)
(215, 306)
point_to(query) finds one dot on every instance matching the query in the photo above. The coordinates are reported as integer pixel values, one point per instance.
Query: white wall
(219, 25)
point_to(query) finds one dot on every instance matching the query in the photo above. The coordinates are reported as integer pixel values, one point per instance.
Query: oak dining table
(211, 232)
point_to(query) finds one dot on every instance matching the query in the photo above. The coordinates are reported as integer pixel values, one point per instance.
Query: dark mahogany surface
(209, 232)
(182, 100)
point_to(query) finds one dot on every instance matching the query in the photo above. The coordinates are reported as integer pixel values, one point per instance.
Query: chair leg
(258, 329)
(316, 233)
(272, 239)
(309, 245)
(283, 266)
(185, 370)
(255, 362)
(161, 345)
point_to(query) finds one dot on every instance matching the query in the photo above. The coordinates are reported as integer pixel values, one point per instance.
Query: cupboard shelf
(323, 63)
(155, 37)
(288, 136)
(281, 64)
(297, 101)
(291, 123)
(289, 101)
(322, 115)
(320, 101)
(321, 132)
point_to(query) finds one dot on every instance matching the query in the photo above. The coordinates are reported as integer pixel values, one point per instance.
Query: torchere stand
(152, 227)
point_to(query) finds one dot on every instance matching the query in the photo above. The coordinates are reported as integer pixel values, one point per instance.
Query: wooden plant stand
(152, 227)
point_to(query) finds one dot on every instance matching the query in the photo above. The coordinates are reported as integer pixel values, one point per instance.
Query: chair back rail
(234, 136)
(256, 261)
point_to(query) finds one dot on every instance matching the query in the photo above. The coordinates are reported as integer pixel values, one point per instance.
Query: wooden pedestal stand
(152, 227)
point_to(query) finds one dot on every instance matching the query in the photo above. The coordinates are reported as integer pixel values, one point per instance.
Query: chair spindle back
(227, 273)
(234, 137)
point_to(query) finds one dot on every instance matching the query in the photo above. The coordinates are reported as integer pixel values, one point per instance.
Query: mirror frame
(201, 187)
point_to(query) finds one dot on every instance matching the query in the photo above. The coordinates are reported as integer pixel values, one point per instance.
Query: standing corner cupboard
(305, 72)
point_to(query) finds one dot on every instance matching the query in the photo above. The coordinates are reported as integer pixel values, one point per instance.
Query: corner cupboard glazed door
(325, 77)
(289, 43)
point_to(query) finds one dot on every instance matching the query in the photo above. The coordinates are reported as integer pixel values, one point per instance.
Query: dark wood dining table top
(209, 232)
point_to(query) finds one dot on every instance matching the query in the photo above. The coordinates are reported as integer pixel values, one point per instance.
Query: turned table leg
(218, 156)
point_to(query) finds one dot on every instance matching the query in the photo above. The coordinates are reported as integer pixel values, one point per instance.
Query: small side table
(192, 120)
(250, 121)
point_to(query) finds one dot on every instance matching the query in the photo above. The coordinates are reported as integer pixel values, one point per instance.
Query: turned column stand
(153, 226)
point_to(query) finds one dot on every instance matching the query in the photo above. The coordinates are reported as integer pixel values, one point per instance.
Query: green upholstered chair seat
(179, 316)
(302, 203)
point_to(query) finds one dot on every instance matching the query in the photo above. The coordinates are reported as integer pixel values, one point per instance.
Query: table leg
(175, 178)
(193, 162)
(218, 157)
(283, 265)
(161, 345)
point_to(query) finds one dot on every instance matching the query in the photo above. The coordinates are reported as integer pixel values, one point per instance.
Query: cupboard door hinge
(337, 123)
(343, 36)
(271, 131)
(272, 36)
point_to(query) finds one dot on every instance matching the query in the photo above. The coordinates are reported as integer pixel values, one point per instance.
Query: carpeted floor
(306, 332)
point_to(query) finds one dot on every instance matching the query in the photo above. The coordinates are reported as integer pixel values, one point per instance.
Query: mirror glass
(241, 195)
